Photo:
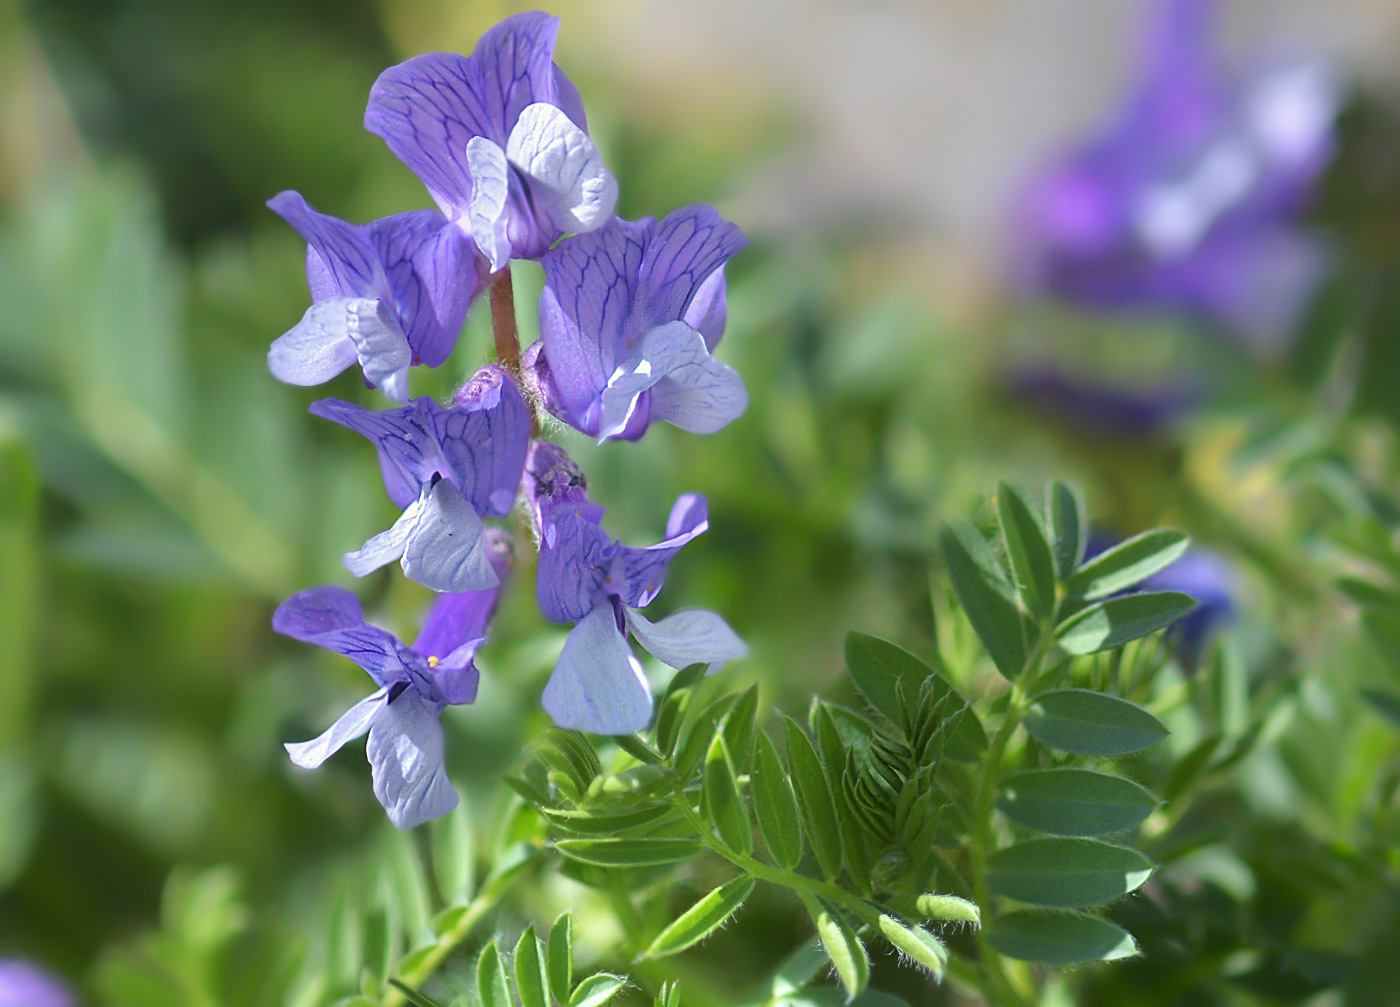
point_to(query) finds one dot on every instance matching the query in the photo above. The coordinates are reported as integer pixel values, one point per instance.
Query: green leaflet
(1074, 802)
(531, 971)
(629, 852)
(559, 963)
(775, 805)
(841, 945)
(1114, 622)
(1059, 938)
(597, 989)
(1091, 723)
(1067, 873)
(986, 598)
(1068, 529)
(949, 909)
(720, 800)
(609, 824)
(1128, 563)
(703, 918)
(920, 945)
(492, 988)
(816, 799)
(1028, 548)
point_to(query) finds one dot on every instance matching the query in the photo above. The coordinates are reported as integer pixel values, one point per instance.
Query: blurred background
(1002, 238)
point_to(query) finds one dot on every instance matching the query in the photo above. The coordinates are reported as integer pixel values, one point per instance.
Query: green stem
(477, 909)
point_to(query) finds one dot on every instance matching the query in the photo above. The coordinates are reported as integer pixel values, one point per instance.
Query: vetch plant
(966, 833)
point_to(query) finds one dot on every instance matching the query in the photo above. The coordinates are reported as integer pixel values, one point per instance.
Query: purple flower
(1101, 409)
(447, 467)
(587, 578)
(26, 985)
(415, 684)
(499, 138)
(629, 317)
(389, 294)
(1186, 200)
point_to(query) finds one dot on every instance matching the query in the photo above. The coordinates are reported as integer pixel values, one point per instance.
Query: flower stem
(477, 909)
(506, 334)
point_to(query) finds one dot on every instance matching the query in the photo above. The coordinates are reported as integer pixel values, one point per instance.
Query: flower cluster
(630, 317)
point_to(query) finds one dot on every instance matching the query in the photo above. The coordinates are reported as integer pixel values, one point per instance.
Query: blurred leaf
(1028, 548)
(1066, 873)
(1128, 563)
(19, 594)
(987, 599)
(703, 918)
(451, 841)
(1059, 938)
(1387, 704)
(847, 953)
(1116, 621)
(412, 995)
(1091, 723)
(1074, 802)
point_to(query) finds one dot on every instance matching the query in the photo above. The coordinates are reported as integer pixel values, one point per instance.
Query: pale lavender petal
(348, 258)
(405, 754)
(569, 186)
(445, 549)
(585, 307)
(331, 617)
(484, 437)
(381, 346)
(390, 544)
(637, 575)
(406, 438)
(318, 347)
(686, 638)
(486, 213)
(353, 723)
(459, 618)
(598, 685)
(685, 249)
(689, 388)
(428, 108)
(433, 277)
(26, 985)
(709, 309)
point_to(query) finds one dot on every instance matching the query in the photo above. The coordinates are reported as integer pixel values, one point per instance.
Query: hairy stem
(477, 909)
(506, 334)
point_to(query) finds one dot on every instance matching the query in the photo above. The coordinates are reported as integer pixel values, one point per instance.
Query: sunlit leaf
(1068, 531)
(1067, 873)
(720, 800)
(703, 918)
(842, 946)
(987, 599)
(1114, 622)
(1028, 548)
(1091, 723)
(1128, 563)
(1059, 938)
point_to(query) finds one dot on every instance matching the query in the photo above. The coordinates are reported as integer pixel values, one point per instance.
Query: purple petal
(409, 452)
(685, 249)
(428, 108)
(637, 575)
(686, 638)
(331, 617)
(351, 724)
(351, 267)
(458, 619)
(689, 388)
(318, 347)
(597, 684)
(485, 436)
(445, 550)
(405, 754)
(433, 276)
(575, 554)
(26, 985)
(709, 309)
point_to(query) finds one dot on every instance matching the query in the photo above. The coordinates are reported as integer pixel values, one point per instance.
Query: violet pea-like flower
(499, 138)
(388, 294)
(1187, 200)
(630, 316)
(405, 746)
(587, 578)
(447, 467)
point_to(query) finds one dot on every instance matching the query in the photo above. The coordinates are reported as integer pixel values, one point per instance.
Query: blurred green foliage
(159, 493)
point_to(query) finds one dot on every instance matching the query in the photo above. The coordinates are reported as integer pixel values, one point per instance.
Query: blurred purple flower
(26, 985)
(447, 467)
(390, 294)
(1187, 199)
(499, 138)
(1099, 408)
(1203, 574)
(629, 317)
(587, 578)
(416, 683)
